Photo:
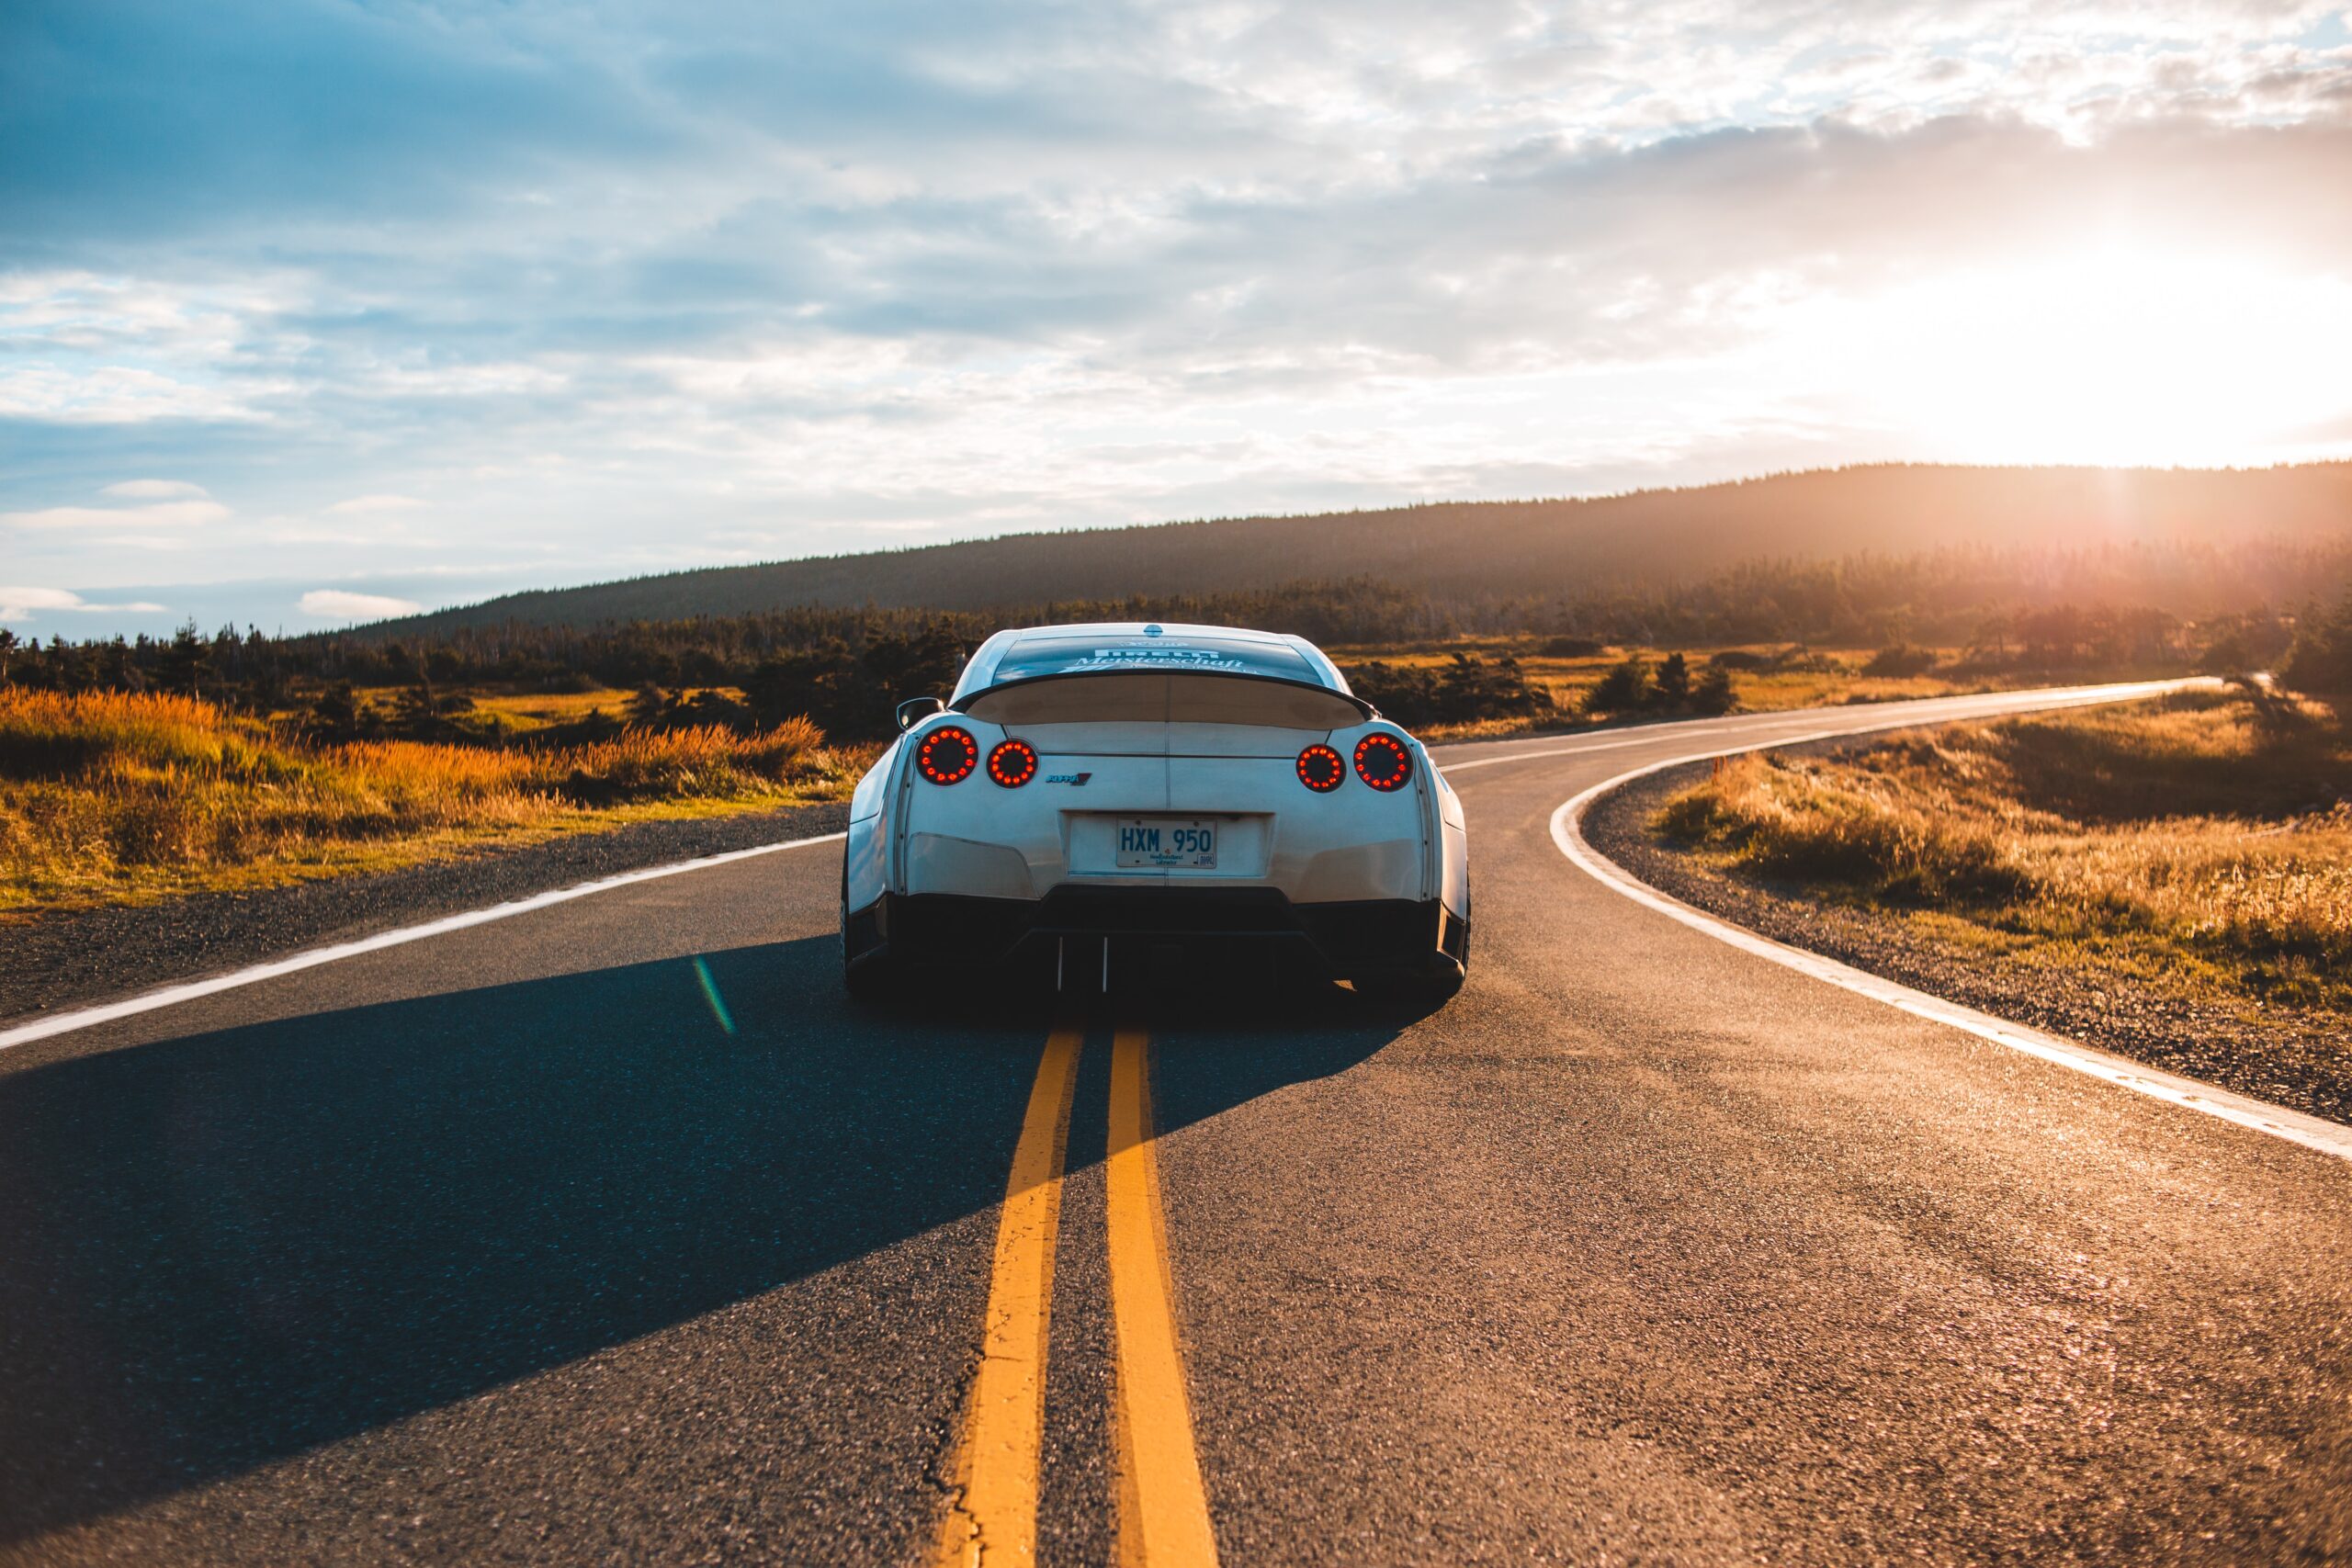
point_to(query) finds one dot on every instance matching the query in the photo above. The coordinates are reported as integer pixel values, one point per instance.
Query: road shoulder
(91, 955)
(2283, 1059)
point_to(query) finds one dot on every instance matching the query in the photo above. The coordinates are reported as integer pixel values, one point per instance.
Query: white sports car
(1089, 792)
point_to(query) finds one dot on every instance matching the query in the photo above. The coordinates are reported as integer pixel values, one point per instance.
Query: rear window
(1034, 656)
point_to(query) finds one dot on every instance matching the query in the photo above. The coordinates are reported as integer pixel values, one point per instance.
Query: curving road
(609, 1232)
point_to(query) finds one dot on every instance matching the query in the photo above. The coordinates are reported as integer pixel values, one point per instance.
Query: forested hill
(1486, 551)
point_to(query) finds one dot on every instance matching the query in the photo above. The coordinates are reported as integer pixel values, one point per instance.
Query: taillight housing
(1383, 762)
(1012, 763)
(947, 755)
(1321, 769)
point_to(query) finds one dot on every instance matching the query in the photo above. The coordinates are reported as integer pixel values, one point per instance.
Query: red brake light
(1012, 763)
(947, 755)
(1321, 769)
(1383, 762)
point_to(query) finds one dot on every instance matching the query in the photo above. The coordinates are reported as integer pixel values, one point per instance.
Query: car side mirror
(914, 710)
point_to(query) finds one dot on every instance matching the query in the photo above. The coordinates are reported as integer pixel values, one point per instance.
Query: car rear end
(1080, 819)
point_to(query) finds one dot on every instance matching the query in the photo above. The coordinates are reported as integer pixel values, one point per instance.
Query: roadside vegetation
(2199, 844)
(131, 768)
(1491, 688)
(112, 796)
(1767, 634)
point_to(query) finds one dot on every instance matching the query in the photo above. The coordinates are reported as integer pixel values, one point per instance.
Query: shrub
(1674, 681)
(1466, 689)
(2225, 655)
(1713, 693)
(2320, 661)
(1624, 688)
(1900, 661)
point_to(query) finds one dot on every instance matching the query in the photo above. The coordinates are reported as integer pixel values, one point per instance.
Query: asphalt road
(501, 1246)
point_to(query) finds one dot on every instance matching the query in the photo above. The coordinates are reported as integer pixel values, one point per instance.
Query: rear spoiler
(1363, 709)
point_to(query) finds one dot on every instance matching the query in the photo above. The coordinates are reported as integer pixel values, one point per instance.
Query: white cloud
(852, 281)
(27, 603)
(338, 605)
(154, 490)
(167, 513)
(364, 503)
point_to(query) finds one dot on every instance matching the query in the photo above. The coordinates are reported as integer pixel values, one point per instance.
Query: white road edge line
(106, 1012)
(1912, 711)
(2294, 1126)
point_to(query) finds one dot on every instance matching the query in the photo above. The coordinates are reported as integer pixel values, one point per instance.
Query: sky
(313, 312)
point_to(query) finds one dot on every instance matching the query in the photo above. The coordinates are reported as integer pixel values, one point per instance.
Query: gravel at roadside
(2288, 1060)
(95, 956)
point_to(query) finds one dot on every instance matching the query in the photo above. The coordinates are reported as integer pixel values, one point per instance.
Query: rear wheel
(1420, 989)
(868, 977)
(1434, 981)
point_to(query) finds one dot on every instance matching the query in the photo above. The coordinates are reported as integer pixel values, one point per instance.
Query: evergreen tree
(2321, 659)
(335, 712)
(186, 660)
(1713, 694)
(1625, 688)
(648, 708)
(1673, 680)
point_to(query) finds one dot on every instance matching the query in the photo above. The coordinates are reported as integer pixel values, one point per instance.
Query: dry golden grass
(523, 712)
(1833, 677)
(2203, 839)
(108, 798)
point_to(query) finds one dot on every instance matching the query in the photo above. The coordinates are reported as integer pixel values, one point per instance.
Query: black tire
(1421, 990)
(869, 978)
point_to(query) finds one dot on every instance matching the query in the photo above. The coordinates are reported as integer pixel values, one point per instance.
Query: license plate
(1166, 841)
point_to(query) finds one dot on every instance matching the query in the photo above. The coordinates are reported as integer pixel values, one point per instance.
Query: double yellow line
(1163, 1507)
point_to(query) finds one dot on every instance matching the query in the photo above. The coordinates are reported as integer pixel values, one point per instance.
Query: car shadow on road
(224, 1250)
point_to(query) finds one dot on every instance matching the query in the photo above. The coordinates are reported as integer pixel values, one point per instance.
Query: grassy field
(1782, 676)
(525, 713)
(512, 714)
(1765, 678)
(2201, 842)
(112, 798)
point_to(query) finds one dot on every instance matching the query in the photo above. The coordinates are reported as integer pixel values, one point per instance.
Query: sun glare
(2112, 356)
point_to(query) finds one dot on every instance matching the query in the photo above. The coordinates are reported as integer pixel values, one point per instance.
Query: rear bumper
(1349, 939)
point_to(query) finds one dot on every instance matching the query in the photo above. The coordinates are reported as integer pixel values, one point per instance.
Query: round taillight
(1383, 762)
(947, 755)
(1321, 769)
(1012, 763)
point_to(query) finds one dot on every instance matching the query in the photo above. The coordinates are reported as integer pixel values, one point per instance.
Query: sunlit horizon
(573, 300)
